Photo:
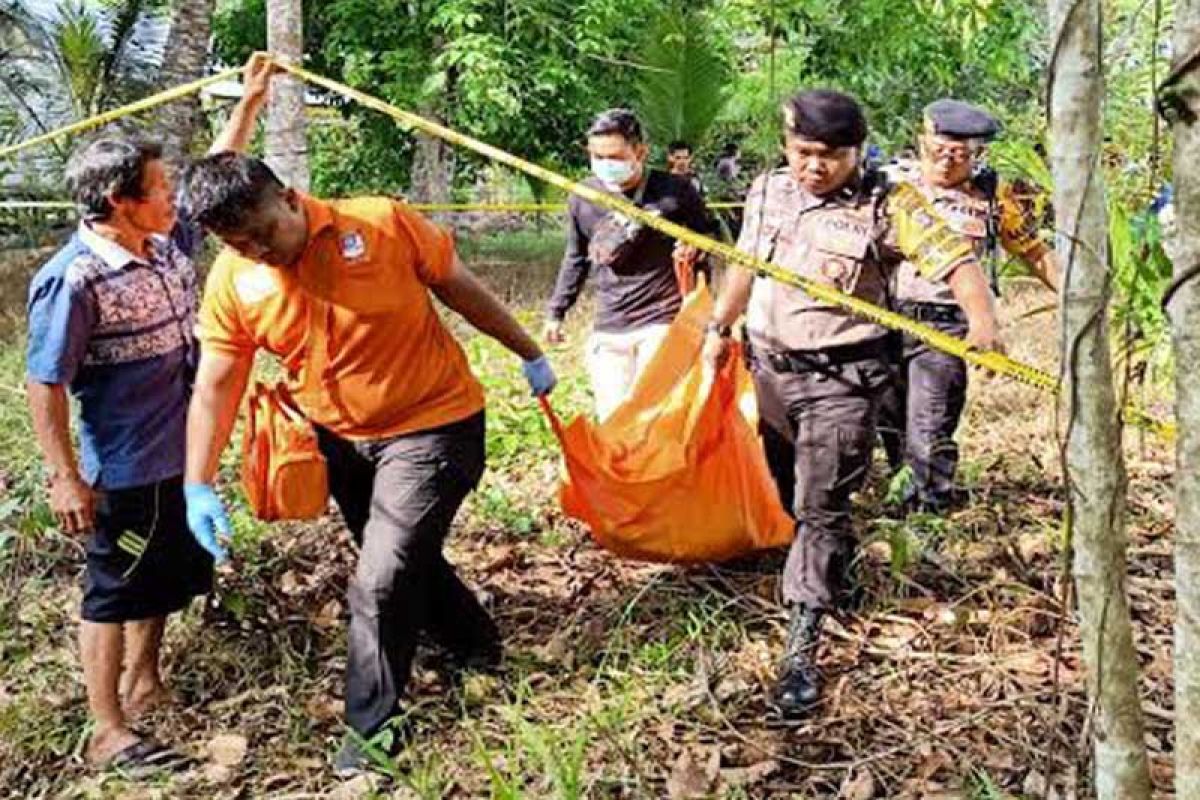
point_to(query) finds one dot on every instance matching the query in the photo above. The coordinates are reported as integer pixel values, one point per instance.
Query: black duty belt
(933, 312)
(812, 360)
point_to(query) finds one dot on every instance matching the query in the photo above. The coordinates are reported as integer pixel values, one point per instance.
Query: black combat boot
(799, 684)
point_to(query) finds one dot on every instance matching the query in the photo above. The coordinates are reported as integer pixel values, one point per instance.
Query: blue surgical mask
(613, 172)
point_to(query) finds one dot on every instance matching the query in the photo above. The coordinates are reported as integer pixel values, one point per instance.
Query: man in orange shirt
(398, 413)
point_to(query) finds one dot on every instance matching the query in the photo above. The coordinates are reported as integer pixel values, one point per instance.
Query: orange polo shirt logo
(353, 245)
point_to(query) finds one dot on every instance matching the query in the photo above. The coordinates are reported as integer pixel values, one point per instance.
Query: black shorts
(142, 561)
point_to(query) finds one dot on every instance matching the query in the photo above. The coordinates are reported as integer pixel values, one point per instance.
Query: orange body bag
(677, 473)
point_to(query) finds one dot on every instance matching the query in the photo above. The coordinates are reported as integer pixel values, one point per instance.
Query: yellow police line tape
(994, 362)
(145, 104)
(37, 205)
(521, 208)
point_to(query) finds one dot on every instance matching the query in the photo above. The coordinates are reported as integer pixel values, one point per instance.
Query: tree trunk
(433, 162)
(286, 141)
(184, 59)
(1095, 464)
(1184, 309)
(432, 169)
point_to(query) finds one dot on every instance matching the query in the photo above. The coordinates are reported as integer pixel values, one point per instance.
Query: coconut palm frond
(686, 87)
(128, 59)
(80, 52)
(78, 59)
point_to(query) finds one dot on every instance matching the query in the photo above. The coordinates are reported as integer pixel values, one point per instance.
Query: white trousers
(616, 360)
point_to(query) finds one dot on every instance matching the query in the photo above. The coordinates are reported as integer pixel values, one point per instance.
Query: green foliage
(1020, 158)
(1141, 271)
(528, 75)
(356, 154)
(560, 754)
(1136, 56)
(685, 83)
(531, 246)
(24, 513)
(81, 50)
(894, 56)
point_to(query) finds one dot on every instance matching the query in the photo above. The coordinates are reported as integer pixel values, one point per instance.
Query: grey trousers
(398, 497)
(920, 412)
(818, 429)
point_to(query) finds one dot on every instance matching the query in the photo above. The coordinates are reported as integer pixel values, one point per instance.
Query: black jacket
(643, 292)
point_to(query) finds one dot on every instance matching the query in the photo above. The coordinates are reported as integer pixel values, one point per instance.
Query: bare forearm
(467, 295)
(211, 417)
(51, 412)
(735, 294)
(239, 130)
(971, 292)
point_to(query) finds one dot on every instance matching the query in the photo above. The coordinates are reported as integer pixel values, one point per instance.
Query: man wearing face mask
(818, 369)
(637, 291)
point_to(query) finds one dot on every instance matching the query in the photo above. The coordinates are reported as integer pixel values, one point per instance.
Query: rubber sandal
(145, 756)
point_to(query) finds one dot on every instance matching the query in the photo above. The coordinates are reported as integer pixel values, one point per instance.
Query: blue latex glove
(540, 376)
(206, 518)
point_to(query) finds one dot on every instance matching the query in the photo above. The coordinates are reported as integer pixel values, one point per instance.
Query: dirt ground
(956, 676)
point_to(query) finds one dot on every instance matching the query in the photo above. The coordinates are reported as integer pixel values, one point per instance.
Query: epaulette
(875, 187)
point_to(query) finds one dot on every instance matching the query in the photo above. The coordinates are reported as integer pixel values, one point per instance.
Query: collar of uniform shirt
(317, 213)
(108, 251)
(847, 193)
(318, 217)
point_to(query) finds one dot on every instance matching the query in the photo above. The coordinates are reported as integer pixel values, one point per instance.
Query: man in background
(920, 413)
(681, 163)
(637, 291)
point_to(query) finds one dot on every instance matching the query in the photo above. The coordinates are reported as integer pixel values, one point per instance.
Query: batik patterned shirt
(118, 330)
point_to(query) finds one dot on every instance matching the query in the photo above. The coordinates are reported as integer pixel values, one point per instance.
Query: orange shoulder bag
(283, 472)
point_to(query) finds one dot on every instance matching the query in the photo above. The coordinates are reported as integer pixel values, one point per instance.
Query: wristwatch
(724, 331)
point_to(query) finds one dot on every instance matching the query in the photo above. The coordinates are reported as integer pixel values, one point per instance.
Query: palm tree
(17, 55)
(184, 60)
(286, 142)
(77, 60)
(685, 79)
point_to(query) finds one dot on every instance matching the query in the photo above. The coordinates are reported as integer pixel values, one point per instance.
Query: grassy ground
(623, 679)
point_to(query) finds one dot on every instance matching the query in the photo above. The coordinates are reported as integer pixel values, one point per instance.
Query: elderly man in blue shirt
(111, 320)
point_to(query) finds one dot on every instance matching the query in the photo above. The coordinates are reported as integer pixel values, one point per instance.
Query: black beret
(960, 120)
(832, 118)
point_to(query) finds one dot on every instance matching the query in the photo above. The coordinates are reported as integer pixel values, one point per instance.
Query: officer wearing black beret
(920, 414)
(818, 369)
